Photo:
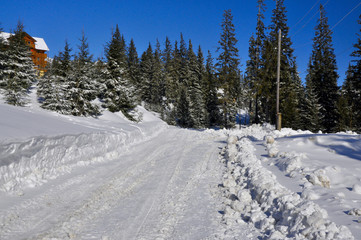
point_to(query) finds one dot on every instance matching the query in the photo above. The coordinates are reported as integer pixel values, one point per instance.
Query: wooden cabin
(38, 50)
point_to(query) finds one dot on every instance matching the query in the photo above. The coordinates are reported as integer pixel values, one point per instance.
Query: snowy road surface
(64, 177)
(164, 188)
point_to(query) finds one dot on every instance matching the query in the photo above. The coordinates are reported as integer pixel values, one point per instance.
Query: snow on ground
(294, 184)
(37, 146)
(108, 178)
(66, 177)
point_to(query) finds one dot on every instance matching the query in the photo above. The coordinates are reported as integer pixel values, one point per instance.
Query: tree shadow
(342, 144)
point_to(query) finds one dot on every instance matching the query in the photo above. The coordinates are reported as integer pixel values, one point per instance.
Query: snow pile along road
(253, 195)
(31, 161)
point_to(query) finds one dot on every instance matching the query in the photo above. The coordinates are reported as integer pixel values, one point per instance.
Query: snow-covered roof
(39, 42)
(5, 35)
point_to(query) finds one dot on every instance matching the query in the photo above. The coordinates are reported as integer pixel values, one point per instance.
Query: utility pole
(279, 115)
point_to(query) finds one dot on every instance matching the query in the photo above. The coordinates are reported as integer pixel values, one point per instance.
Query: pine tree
(134, 68)
(196, 103)
(312, 116)
(290, 83)
(98, 74)
(351, 89)
(170, 81)
(19, 71)
(158, 77)
(228, 72)
(183, 114)
(211, 99)
(322, 73)
(3, 60)
(82, 87)
(201, 69)
(54, 88)
(118, 93)
(175, 66)
(152, 78)
(253, 79)
(49, 90)
(147, 81)
(183, 62)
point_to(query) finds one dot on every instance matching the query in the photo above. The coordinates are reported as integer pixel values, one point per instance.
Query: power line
(309, 20)
(333, 25)
(346, 15)
(305, 15)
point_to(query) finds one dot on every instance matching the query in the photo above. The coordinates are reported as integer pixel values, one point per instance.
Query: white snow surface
(40, 44)
(65, 177)
(294, 184)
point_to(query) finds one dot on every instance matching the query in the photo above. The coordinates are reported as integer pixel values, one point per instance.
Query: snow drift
(254, 195)
(31, 161)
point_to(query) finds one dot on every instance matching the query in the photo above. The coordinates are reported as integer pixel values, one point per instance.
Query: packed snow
(65, 177)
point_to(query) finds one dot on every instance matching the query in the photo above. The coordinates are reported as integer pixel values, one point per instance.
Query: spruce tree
(158, 78)
(196, 103)
(82, 87)
(351, 90)
(290, 83)
(134, 68)
(118, 93)
(201, 69)
(211, 100)
(322, 73)
(170, 81)
(183, 62)
(3, 59)
(147, 81)
(58, 97)
(18, 72)
(183, 113)
(152, 78)
(99, 73)
(175, 66)
(228, 72)
(312, 115)
(170, 84)
(49, 90)
(253, 79)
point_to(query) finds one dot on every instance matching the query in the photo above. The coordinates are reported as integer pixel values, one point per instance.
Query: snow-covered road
(163, 188)
(64, 177)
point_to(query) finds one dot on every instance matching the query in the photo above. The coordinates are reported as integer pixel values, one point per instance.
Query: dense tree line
(320, 104)
(188, 89)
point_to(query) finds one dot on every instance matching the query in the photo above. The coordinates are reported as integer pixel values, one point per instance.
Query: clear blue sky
(147, 20)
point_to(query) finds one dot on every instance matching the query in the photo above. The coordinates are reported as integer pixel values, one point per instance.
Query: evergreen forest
(189, 87)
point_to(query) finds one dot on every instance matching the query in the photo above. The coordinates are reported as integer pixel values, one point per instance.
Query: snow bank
(30, 161)
(252, 194)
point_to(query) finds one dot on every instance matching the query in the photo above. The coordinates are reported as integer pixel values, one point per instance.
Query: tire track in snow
(29, 216)
(146, 199)
(144, 195)
(103, 200)
(183, 184)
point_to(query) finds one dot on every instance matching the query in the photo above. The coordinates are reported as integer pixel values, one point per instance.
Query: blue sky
(147, 20)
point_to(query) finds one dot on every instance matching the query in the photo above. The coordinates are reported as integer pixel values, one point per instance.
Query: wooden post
(279, 118)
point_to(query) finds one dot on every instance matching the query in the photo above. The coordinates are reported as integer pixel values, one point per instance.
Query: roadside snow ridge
(253, 195)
